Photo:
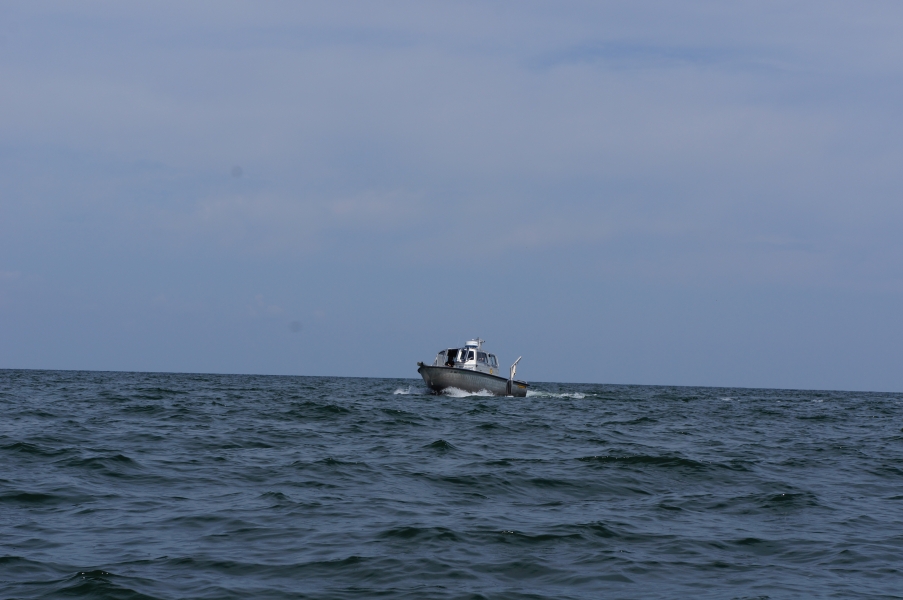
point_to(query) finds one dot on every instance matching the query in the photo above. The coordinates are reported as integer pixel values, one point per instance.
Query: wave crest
(457, 393)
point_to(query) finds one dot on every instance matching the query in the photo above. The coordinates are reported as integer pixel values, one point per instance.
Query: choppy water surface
(129, 485)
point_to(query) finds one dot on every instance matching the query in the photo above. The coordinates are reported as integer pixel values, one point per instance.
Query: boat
(471, 369)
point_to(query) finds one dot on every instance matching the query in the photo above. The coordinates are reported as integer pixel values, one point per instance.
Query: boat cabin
(471, 357)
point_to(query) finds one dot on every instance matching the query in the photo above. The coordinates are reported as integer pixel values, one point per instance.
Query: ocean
(154, 485)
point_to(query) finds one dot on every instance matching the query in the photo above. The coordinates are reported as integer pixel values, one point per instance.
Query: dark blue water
(132, 485)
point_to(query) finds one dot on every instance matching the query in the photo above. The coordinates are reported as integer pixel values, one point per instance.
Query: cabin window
(469, 355)
(451, 353)
(481, 357)
(493, 361)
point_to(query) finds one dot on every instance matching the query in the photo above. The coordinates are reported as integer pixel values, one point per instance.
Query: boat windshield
(468, 357)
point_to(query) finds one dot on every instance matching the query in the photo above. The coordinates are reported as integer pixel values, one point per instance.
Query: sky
(644, 192)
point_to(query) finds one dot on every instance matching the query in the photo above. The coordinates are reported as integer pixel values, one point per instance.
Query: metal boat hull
(441, 378)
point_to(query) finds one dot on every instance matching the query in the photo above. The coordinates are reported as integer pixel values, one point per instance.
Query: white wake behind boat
(471, 369)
